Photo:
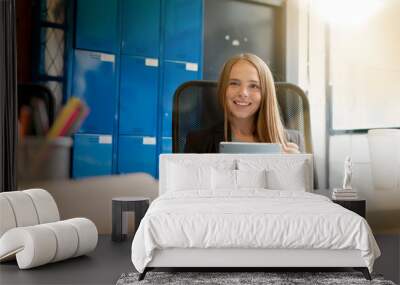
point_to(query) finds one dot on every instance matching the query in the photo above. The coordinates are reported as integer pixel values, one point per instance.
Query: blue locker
(94, 82)
(138, 96)
(183, 30)
(97, 25)
(141, 27)
(92, 155)
(175, 73)
(137, 154)
(166, 145)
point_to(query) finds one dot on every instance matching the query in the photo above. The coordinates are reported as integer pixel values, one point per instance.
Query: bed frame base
(364, 270)
(143, 274)
(256, 260)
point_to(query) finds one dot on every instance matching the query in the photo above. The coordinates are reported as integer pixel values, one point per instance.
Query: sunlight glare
(347, 12)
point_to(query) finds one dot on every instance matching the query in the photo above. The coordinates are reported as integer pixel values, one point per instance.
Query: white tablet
(245, 147)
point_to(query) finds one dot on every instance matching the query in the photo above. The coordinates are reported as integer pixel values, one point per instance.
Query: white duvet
(252, 218)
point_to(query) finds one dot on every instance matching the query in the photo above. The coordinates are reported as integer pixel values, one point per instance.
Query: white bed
(230, 210)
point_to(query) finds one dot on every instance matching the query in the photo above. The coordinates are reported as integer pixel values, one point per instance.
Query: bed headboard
(285, 164)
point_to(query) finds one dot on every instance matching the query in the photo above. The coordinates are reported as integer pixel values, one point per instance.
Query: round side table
(139, 205)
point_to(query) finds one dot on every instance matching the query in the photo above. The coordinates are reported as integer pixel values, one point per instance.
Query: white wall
(365, 68)
(308, 70)
(366, 59)
(383, 205)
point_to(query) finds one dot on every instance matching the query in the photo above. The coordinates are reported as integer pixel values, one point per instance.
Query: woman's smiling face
(243, 94)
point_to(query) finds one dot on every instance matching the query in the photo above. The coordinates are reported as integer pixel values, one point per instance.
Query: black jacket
(207, 141)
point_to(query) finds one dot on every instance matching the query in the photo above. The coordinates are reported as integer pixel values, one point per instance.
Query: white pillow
(223, 179)
(281, 174)
(228, 179)
(293, 180)
(251, 178)
(183, 177)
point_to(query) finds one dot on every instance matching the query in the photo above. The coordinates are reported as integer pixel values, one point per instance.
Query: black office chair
(196, 107)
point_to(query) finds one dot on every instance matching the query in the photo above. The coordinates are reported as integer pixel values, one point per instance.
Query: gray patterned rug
(228, 278)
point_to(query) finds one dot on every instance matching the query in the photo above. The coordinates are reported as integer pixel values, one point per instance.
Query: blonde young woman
(247, 94)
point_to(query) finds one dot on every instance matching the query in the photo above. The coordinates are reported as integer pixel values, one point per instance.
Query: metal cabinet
(94, 82)
(96, 26)
(92, 155)
(137, 154)
(175, 73)
(166, 145)
(141, 27)
(148, 49)
(138, 96)
(183, 30)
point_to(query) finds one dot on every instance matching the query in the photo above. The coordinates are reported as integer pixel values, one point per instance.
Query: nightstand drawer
(357, 206)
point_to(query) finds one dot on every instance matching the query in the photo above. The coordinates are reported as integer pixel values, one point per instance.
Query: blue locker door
(96, 25)
(141, 27)
(166, 145)
(183, 30)
(92, 155)
(138, 96)
(94, 82)
(175, 73)
(137, 154)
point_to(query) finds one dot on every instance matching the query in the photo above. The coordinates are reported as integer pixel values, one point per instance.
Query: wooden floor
(111, 259)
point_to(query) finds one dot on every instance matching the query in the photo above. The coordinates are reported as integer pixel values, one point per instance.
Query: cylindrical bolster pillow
(67, 240)
(7, 218)
(23, 208)
(34, 245)
(46, 207)
(87, 234)
(27, 208)
(41, 244)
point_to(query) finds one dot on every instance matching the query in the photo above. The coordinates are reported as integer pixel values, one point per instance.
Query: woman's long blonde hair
(269, 127)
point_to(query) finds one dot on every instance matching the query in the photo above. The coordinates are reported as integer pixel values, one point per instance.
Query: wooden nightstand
(358, 206)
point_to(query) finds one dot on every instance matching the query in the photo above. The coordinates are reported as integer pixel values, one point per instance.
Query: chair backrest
(196, 107)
